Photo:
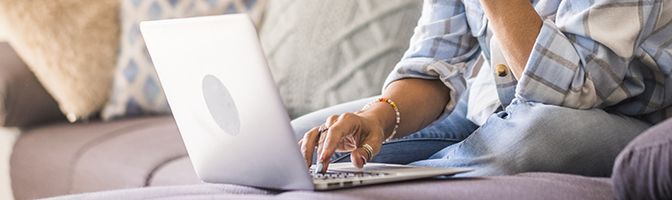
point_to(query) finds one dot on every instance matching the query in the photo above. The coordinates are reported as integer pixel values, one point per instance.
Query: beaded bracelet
(396, 112)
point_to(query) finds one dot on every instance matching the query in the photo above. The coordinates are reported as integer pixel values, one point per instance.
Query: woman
(570, 83)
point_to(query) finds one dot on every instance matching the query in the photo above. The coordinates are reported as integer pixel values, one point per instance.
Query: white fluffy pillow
(70, 45)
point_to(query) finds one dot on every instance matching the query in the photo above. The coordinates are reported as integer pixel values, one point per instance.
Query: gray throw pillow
(643, 170)
(323, 53)
(136, 89)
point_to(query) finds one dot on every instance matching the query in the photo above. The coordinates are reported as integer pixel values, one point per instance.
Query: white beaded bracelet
(396, 112)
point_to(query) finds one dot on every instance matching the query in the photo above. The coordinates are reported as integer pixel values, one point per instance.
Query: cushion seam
(87, 146)
(152, 173)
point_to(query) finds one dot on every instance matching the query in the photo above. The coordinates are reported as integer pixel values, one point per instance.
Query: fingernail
(319, 167)
(364, 159)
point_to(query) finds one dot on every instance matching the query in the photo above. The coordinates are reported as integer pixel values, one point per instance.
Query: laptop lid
(225, 102)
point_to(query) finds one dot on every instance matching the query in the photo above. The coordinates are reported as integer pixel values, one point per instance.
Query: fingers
(321, 136)
(341, 133)
(308, 144)
(331, 120)
(367, 150)
(359, 157)
(345, 124)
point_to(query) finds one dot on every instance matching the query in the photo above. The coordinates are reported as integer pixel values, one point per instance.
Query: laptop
(230, 115)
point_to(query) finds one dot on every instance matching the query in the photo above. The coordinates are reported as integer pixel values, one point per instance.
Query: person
(565, 86)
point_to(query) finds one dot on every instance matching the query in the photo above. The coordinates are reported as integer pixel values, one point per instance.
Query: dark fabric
(63, 158)
(23, 100)
(545, 186)
(643, 170)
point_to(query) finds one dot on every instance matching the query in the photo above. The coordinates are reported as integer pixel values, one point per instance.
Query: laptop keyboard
(342, 175)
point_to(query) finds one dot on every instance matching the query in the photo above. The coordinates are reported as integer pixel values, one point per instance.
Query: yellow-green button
(501, 70)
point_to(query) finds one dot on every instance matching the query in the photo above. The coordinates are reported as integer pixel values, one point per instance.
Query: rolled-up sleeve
(441, 48)
(590, 57)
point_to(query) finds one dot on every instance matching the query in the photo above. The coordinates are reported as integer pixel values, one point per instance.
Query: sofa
(144, 158)
(53, 157)
(321, 53)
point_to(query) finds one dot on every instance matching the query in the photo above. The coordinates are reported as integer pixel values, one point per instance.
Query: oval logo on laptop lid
(220, 104)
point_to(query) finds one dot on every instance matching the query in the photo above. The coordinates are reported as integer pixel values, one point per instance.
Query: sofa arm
(643, 170)
(23, 100)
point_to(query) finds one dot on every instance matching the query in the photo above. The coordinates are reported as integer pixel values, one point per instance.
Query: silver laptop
(230, 115)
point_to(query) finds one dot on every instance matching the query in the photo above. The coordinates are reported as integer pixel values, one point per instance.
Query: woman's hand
(349, 132)
(420, 102)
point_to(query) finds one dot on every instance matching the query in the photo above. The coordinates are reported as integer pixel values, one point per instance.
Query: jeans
(524, 137)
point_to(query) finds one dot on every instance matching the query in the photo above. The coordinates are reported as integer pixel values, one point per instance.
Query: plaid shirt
(609, 54)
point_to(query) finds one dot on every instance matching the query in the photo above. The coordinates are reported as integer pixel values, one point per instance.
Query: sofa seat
(145, 158)
(63, 158)
(546, 186)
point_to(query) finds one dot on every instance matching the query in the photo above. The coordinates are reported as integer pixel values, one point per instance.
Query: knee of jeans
(522, 129)
(531, 122)
(539, 137)
(528, 114)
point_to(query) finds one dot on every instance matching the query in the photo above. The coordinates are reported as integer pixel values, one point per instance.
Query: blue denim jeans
(524, 137)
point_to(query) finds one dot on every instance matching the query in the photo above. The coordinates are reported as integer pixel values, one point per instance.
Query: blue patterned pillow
(136, 89)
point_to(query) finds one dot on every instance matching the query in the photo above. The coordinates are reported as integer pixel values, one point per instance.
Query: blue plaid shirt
(609, 54)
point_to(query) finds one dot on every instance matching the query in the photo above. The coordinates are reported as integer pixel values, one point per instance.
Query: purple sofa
(144, 158)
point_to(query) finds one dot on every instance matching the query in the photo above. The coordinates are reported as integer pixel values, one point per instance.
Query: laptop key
(341, 175)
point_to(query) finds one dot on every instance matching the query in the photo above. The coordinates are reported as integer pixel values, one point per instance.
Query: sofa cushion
(70, 45)
(643, 170)
(176, 171)
(64, 159)
(136, 89)
(323, 53)
(546, 186)
(23, 100)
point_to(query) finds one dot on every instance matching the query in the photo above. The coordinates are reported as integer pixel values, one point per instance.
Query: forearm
(420, 103)
(516, 25)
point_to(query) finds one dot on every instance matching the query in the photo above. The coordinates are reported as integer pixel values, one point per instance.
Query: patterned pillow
(136, 89)
(327, 52)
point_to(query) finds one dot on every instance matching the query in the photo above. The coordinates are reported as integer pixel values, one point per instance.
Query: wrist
(383, 116)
